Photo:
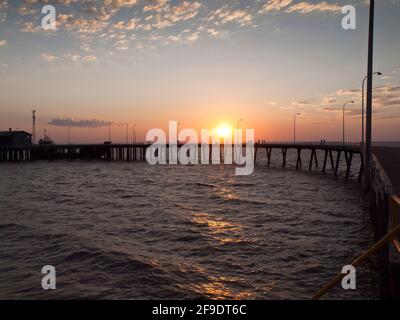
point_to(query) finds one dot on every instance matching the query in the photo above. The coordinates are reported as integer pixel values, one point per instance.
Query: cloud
(213, 32)
(301, 103)
(48, 57)
(308, 7)
(129, 25)
(225, 15)
(275, 5)
(91, 123)
(386, 98)
(77, 58)
(115, 4)
(3, 43)
(89, 58)
(3, 8)
(156, 5)
(3, 5)
(26, 10)
(118, 25)
(83, 25)
(30, 27)
(72, 57)
(302, 7)
(168, 15)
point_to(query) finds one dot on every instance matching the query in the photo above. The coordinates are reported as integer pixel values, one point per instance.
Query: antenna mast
(34, 126)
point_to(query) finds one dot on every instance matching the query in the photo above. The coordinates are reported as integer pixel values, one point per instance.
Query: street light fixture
(343, 116)
(294, 126)
(362, 104)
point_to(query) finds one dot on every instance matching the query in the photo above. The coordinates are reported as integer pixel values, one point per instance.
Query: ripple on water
(129, 230)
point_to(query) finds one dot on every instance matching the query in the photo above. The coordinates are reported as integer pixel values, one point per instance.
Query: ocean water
(120, 230)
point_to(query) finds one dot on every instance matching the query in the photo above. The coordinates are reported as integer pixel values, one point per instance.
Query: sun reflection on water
(218, 229)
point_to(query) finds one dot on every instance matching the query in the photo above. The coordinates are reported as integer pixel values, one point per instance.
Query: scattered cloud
(166, 15)
(3, 8)
(77, 58)
(301, 103)
(25, 10)
(30, 27)
(91, 123)
(275, 5)
(3, 5)
(84, 25)
(225, 15)
(129, 25)
(72, 57)
(155, 5)
(48, 57)
(3, 43)
(119, 25)
(115, 4)
(386, 98)
(302, 7)
(309, 7)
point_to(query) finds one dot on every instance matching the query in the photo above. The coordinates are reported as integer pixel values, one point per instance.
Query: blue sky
(199, 62)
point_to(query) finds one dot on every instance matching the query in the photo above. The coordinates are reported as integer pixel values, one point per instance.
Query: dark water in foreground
(128, 230)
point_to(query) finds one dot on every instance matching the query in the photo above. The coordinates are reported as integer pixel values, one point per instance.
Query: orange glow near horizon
(224, 131)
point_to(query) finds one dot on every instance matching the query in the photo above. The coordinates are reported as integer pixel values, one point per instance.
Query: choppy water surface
(129, 230)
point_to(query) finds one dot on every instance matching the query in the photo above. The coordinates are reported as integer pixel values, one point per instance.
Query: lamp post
(133, 134)
(362, 104)
(109, 131)
(294, 126)
(368, 129)
(344, 117)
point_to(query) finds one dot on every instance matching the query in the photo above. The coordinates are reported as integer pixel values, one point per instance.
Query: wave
(243, 184)
(208, 185)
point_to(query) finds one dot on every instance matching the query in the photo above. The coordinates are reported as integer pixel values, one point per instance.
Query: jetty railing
(390, 236)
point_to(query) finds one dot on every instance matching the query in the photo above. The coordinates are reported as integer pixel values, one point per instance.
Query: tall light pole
(368, 132)
(126, 133)
(134, 134)
(294, 126)
(344, 117)
(69, 128)
(109, 131)
(362, 104)
(33, 126)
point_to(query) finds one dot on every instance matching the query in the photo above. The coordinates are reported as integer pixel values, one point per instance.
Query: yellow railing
(394, 203)
(392, 235)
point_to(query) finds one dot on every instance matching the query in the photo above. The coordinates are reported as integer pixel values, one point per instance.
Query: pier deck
(389, 158)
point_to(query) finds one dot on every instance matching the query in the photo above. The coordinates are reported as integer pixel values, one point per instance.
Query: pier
(332, 153)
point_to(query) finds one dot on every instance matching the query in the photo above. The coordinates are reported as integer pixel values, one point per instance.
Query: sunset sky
(201, 63)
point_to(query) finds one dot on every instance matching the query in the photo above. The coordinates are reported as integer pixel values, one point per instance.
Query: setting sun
(224, 131)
